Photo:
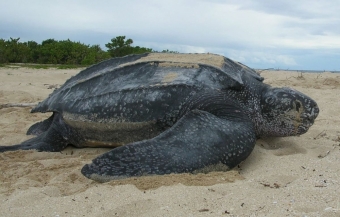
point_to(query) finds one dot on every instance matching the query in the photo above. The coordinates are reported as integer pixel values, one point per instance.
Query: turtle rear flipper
(43, 142)
(54, 139)
(198, 140)
(40, 127)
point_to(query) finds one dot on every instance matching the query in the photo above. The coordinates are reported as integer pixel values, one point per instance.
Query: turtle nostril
(310, 118)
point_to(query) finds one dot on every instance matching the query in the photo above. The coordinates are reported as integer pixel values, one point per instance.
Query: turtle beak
(308, 117)
(313, 112)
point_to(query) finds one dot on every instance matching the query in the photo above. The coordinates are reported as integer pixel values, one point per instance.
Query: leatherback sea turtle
(167, 113)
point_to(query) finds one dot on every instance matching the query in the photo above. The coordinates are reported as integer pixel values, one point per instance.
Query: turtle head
(286, 112)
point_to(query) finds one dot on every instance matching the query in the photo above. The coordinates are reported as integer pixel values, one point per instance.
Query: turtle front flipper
(54, 139)
(197, 141)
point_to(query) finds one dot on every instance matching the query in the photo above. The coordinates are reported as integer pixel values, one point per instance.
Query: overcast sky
(285, 34)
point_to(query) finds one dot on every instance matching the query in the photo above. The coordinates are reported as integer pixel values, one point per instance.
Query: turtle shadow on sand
(270, 146)
(167, 113)
(281, 146)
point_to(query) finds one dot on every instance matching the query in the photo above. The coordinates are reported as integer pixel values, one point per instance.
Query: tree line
(51, 51)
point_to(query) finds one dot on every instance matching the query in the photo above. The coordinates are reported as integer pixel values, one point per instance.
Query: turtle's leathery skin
(167, 113)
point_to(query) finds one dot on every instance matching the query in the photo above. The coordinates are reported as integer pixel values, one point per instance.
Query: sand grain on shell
(183, 60)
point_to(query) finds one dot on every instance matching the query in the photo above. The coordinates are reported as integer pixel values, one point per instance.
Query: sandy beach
(293, 176)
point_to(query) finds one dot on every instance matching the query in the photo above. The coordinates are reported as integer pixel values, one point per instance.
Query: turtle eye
(270, 100)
